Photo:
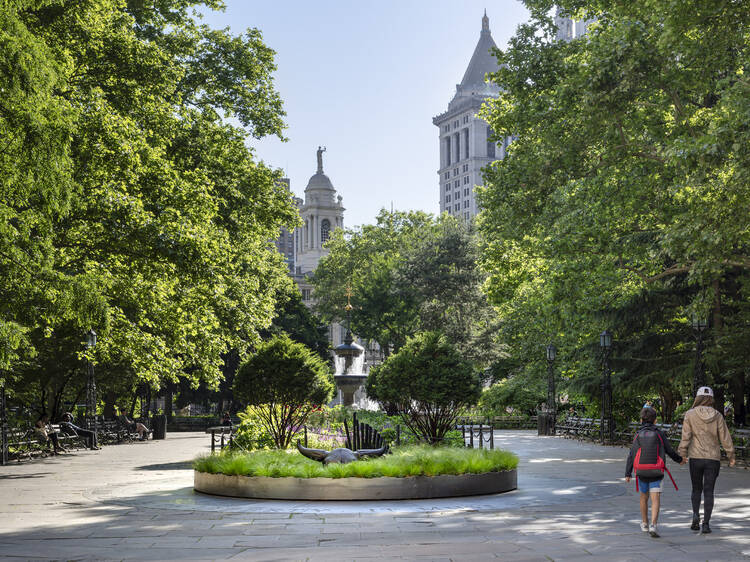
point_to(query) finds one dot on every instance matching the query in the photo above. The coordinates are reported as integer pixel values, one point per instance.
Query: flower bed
(403, 462)
(416, 472)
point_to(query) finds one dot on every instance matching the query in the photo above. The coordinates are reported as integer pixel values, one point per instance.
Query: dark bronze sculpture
(341, 455)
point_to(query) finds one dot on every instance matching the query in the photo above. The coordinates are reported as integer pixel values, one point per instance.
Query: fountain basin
(349, 385)
(381, 488)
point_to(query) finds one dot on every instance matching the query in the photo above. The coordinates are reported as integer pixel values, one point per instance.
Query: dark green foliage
(523, 396)
(409, 273)
(283, 381)
(429, 383)
(127, 203)
(622, 201)
(300, 324)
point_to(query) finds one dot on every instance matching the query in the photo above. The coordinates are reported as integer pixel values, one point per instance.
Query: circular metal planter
(382, 488)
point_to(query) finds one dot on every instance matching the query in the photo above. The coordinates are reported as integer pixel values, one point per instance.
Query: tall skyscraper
(568, 28)
(465, 145)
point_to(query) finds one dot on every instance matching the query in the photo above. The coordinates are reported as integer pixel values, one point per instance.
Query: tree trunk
(168, 400)
(738, 398)
(718, 322)
(109, 404)
(668, 404)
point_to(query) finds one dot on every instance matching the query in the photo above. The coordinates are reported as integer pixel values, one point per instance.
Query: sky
(364, 80)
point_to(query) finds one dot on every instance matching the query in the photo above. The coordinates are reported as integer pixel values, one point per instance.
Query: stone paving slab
(135, 502)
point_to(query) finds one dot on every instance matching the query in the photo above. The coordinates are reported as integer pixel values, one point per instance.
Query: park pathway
(135, 502)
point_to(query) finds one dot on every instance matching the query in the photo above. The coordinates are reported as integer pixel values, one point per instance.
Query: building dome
(320, 181)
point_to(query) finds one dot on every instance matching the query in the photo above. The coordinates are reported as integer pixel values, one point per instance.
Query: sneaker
(705, 529)
(652, 531)
(644, 527)
(696, 524)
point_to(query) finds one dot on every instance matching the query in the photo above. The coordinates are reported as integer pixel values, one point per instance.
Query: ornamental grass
(415, 460)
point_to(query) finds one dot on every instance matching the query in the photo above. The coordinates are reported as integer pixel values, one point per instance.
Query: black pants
(703, 474)
(75, 431)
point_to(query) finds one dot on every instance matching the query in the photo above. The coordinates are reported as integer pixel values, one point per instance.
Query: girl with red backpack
(647, 458)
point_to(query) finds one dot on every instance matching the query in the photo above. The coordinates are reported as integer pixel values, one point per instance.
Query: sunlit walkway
(135, 502)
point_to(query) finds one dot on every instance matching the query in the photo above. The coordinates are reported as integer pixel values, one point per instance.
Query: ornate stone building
(465, 145)
(322, 212)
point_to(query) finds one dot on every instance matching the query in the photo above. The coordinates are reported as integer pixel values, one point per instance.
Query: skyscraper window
(490, 144)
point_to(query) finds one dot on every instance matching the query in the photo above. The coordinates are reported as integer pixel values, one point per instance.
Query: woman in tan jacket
(703, 429)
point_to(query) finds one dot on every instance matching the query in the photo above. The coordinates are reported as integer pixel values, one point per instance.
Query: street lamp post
(699, 327)
(91, 387)
(605, 342)
(3, 427)
(551, 401)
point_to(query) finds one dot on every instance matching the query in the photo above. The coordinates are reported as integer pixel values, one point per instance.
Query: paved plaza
(135, 502)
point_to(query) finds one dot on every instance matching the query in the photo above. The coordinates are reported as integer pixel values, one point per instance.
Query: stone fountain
(350, 376)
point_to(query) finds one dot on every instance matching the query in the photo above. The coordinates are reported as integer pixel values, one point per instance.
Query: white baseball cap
(705, 391)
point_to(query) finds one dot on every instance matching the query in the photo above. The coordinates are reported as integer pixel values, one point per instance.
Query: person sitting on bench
(133, 426)
(45, 435)
(69, 428)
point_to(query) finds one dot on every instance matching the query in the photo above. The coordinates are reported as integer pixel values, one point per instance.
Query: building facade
(285, 243)
(569, 29)
(322, 212)
(465, 143)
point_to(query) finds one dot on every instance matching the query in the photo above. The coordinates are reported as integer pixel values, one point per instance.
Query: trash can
(159, 426)
(544, 423)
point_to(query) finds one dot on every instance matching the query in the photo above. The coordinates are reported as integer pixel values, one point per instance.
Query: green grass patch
(414, 460)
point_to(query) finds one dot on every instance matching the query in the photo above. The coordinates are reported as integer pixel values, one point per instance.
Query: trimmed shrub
(283, 382)
(429, 383)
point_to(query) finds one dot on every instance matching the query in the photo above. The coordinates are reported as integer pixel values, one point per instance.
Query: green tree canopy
(296, 320)
(284, 381)
(410, 272)
(628, 177)
(367, 259)
(128, 203)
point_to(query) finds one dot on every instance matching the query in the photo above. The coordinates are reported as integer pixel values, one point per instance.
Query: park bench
(741, 439)
(67, 440)
(513, 422)
(588, 428)
(625, 435)
(24, 442)
(580, 428)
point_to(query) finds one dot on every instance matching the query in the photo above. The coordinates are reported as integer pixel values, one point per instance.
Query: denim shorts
(646, 487)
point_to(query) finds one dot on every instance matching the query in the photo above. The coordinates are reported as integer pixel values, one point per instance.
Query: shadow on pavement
(182, 465)
(23, 476)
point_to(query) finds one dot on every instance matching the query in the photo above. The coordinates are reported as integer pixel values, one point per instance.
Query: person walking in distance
(702, 431)
(647, 456)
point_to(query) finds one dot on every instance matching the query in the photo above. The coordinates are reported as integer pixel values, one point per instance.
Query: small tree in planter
(283, 382)
(429, 383)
